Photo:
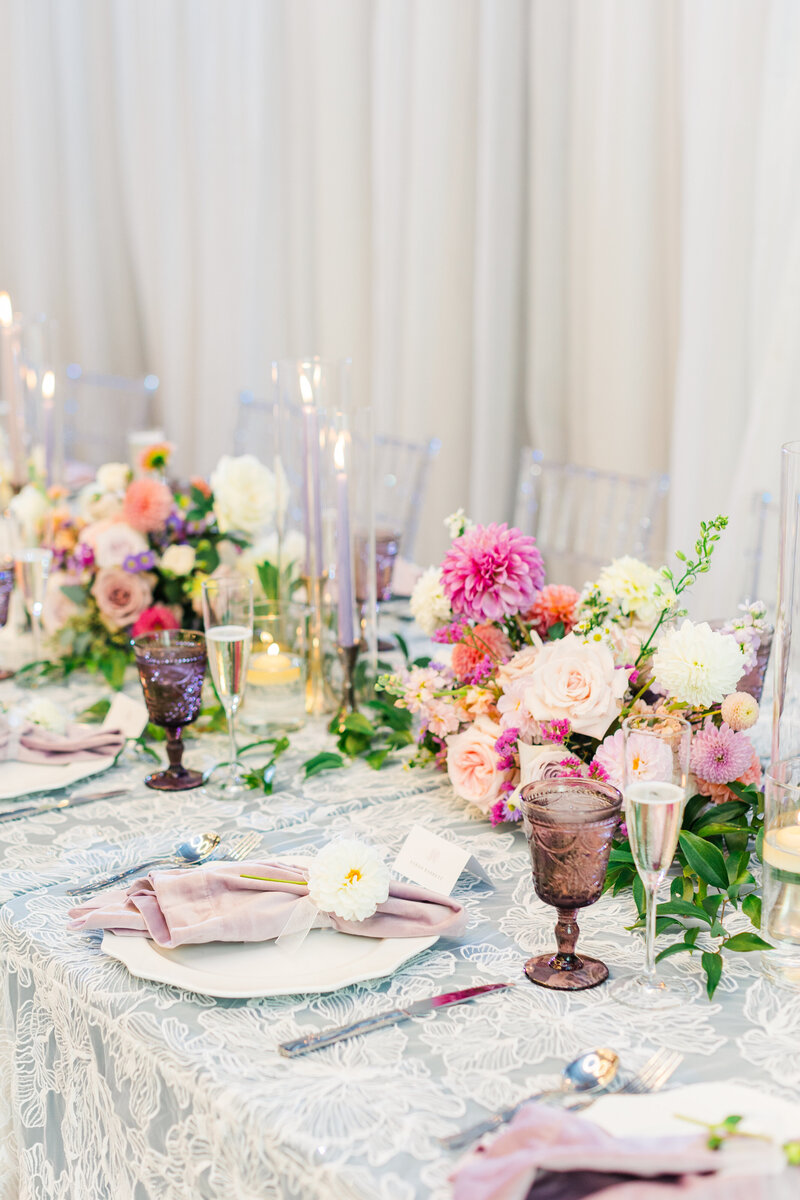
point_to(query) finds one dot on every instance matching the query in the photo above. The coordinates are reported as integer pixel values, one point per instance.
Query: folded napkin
(215, 904)
(588, 1161)
(31, 743)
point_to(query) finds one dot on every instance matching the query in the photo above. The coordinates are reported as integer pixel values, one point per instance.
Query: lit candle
(272, 667)
(48, 425)
(782, 847)
(10, 389)
(344, 570)
(312, 506)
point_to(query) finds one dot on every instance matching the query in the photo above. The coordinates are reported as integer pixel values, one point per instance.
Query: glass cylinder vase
(780, 906)
(786, 647)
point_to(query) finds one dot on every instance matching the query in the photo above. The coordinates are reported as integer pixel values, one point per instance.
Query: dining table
(117, 1086)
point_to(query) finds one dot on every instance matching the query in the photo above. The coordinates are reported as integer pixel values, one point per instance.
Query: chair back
(583, 518)
(254, 431)
(401, 478)
(98, 414)
(760, 566)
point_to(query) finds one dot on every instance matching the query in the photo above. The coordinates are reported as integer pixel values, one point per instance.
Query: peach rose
(519, 666)
(121, 596)
(576, 681)
(472, 763)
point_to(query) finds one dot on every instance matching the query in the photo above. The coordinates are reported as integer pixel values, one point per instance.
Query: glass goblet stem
(651, 903)
(230, 713)
(567, 931)
(175, 750)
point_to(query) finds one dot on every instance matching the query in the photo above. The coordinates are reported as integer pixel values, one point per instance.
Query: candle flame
(338, 453)
(6, 311)
(305, 391)
(48, 385)
(273, 649)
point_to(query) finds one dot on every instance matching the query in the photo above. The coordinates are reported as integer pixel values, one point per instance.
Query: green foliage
(373, 739)
(262, 778)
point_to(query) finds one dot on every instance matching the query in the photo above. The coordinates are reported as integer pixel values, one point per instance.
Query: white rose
(472, 763)
(576, 682)
(245, 494)
(113, 477)
(113, 542)
(30, 506)
(178, 560)
(95, 505)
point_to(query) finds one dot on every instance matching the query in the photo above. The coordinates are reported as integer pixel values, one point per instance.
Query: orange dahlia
(555, 602)
(478, 642)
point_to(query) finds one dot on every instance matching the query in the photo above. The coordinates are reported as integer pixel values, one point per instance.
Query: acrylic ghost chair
(99, 411)
(582, 518)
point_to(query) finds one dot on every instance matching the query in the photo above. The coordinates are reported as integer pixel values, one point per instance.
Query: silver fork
(650, 1078)
(236, 853)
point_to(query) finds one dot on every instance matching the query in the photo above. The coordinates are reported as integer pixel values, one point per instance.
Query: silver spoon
(192, 852)
(590, 1072)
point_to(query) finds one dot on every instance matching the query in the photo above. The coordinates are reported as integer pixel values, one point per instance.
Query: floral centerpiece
(130, 555)
(539, 679)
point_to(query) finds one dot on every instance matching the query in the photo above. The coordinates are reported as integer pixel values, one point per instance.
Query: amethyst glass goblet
(6, 588)
(172, 663)
(572, 823)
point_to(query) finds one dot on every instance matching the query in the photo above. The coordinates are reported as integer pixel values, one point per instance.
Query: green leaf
(357, 723)
(683, 908)
(676, 948)
(694, 807)
(729, 811)
(326, 761)
(704, 858)
(376, 759)
(96, 711)
(354, 744)
(113, 667)
(744, 942)
(751, 907)
(555, 632)
(270, 579)
(639, 895)
(711, 905)
(712, 965)
(620, 854)
(751, 795)
(403, 645)
(399, 738)
(75, 593)
(737, 866)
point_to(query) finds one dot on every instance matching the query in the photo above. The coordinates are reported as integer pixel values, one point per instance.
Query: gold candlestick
(319, 696)
(348, 656)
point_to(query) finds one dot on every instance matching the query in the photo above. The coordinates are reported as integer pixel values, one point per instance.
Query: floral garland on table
(540, 678)
(130, 555)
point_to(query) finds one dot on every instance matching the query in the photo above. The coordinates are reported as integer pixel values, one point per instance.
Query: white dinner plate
(19, 780)
(324, 962)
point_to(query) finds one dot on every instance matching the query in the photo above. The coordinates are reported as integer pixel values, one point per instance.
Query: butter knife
(316, 1041)
(33, 810)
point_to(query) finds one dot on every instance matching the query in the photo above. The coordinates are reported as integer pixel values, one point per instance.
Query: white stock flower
(429, 605)
(697, 666)
(632, 583)
(245, 494)
(457, 523)
(113, 477)
(348, 878)
(47, 714)
(30, 506)
(178, 560)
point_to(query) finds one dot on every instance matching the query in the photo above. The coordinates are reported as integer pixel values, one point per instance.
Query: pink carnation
(479, 640)
(158, 616)
(491, 572)
(718, 754)
(148, 503)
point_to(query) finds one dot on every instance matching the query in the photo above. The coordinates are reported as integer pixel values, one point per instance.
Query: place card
(127, 714)
(434, 862)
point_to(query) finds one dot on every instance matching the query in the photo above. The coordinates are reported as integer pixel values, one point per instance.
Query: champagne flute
(33, 570)
(656, 765)
(228, 619)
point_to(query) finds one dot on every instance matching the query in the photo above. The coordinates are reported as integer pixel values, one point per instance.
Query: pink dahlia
(553, 604)
(157, 617)
(478, 642)
(718, 754)
(491, 572)
(148, 503)
(720, 792)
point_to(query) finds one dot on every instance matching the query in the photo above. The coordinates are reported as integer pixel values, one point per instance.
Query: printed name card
(434, 862)
(126, 714)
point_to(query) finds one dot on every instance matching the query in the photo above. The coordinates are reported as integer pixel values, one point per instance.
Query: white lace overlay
(111, 1087)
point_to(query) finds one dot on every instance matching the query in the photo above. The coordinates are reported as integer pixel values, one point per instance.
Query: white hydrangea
(47, 714)
(697, 666)
(632, 584)
(429, 605)
(348, 878)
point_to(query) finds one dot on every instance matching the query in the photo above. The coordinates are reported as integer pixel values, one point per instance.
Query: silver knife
(316, 1041)
(33, 810)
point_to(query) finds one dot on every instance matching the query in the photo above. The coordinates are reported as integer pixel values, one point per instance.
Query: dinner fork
(224, 853)
(650, 1078)
(658, 1069)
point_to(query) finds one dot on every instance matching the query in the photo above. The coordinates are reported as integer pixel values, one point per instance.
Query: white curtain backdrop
(572, 223)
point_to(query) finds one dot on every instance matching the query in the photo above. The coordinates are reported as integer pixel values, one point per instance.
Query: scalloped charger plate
(325, 962)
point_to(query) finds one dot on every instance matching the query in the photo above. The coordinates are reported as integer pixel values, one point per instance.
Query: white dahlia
(348, 878)
(697, 666)
(429, 605)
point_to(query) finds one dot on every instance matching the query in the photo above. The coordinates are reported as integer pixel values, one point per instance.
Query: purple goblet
(6, 588)
(172, 664)
(572, 823)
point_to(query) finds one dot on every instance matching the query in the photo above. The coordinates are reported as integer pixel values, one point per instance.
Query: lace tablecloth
(114, 1087)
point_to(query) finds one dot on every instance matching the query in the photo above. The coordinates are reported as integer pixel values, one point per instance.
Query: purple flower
(506, 749)
(718, 754)
(505, 811)
(491, 572)
(82, 557)
(448, 635)
(139, 562)
(554, 731)
(480, 673)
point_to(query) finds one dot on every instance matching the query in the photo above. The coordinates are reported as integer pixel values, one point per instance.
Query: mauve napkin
(215, 904)
(587, 1161)
(32, 743)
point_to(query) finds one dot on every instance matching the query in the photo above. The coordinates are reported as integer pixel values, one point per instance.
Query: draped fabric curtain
(571, 223)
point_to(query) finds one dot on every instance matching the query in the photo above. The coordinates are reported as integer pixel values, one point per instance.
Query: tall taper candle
(312, 506)
(344, 566)
(11, 390)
